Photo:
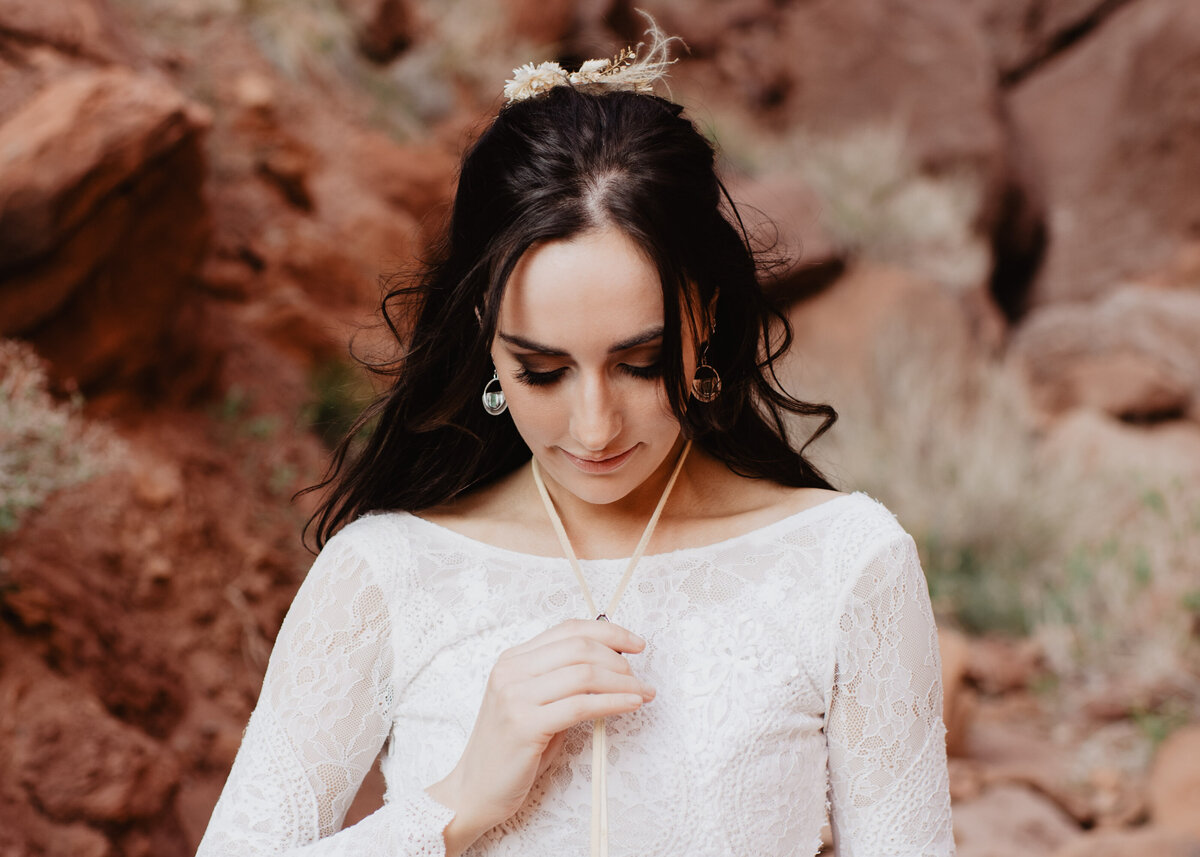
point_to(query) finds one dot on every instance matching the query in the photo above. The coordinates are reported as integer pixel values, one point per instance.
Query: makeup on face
(578, 351)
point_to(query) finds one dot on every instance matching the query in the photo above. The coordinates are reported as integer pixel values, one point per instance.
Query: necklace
(599, 733)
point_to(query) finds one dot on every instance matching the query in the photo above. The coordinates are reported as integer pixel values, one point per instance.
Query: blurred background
(986, 215)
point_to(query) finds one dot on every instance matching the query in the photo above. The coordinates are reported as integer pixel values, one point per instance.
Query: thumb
(552, 751)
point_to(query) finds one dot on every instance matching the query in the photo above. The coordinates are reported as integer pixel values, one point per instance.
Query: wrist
(465, 827)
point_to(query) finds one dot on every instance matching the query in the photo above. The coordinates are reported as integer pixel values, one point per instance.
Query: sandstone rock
(832, 67)
(843, 74)
(544, 22)
(1175, 783)
(80, 763)
(1094, 442)
(1181, 272)
(874, 315)
(416, 178)
(102, 221)
(77, 27)
(783, 216)
(1009, 749)
(1112, 123)
(384, 28)
(1025, 32)
(1132, 355)
(156, 483)
(24, 830)
(1011, 821)
(966, 780)
(705, 25)
(1132, 843)
(1001, 665)
(71, 147)
(958, 702)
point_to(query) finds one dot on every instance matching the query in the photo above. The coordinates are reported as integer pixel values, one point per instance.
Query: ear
(711, 312)
(703, 327)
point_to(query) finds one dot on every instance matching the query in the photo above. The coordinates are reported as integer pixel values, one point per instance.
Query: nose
(595, 415)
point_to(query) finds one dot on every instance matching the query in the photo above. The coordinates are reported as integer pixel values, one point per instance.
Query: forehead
(598, 286)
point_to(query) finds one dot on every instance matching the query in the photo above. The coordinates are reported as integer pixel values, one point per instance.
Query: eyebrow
(642, 338)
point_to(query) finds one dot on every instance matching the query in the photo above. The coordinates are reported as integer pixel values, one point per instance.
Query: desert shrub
(877, 202)
(45, 445)
(1099, 561)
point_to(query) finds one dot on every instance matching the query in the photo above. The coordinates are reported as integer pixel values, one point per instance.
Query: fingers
(609, 633)
(565, 713)
(582, 679)
(572, 672)
(565, 652)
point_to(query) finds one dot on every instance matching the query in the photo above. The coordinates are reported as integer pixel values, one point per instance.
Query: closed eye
(531, 378)
(527, 376)
(651, 370)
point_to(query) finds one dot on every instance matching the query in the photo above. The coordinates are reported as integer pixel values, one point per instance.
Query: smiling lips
(602, 465)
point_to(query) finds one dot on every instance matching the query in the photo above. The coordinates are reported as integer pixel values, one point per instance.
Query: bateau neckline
(782, 523)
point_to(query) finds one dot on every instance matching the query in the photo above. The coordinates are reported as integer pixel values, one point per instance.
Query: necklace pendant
(600, 617)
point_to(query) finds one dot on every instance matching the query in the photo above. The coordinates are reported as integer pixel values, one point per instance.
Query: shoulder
(376, 546)
(863, 524)
(869, 550)
(853, 522)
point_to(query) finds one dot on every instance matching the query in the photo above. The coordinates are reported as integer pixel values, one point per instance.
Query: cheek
(536, 411)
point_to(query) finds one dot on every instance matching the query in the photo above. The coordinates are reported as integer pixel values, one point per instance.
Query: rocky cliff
(992, 211)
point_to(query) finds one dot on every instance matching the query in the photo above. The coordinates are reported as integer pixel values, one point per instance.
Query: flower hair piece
(623, 72)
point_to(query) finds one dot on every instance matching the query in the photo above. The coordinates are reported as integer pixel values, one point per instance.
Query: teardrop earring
(493, 396)
(706, 383)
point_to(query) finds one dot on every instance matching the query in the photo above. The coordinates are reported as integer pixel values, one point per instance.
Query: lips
(600, 465)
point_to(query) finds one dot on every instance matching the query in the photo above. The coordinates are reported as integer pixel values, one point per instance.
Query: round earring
(706, 383)
(493, 396)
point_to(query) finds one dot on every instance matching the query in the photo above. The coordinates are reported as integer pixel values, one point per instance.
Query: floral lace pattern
(797, 673)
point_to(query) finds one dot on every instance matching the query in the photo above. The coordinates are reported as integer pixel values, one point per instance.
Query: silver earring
(706, 383)
(493, 396)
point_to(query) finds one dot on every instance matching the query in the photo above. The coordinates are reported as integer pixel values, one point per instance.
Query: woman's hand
(572, 673)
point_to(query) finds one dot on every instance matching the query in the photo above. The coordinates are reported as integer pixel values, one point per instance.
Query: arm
(889, 786)
(321, 719)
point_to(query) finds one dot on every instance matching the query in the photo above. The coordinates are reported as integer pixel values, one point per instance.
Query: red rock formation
(1112, 125)
(1132, 355)
(1175, 784)
(103, 221)
(189, 225)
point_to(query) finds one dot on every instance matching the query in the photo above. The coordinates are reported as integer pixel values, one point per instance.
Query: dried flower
(623, 72)
(530, 80)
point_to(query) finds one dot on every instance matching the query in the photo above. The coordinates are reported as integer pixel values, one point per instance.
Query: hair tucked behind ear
(549, 168)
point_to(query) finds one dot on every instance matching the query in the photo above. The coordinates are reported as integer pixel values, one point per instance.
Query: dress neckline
(815, 511)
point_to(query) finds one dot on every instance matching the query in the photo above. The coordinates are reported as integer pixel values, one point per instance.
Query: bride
(580, 584)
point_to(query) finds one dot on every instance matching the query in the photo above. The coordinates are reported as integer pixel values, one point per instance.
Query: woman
(774, 646)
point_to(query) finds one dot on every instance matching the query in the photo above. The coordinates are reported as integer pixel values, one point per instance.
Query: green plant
(339, 390)
(1157, 724)
(46, 445)
(1018, 535)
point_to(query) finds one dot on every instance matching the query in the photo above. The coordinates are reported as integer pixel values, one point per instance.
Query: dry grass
(45, 445)
(455, 49)
(1101, 564)
(877, 203)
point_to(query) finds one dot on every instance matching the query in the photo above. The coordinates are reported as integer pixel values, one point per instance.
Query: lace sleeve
(322, 716)
(887, 751)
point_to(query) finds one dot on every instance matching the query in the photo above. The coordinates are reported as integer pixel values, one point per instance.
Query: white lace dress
(796, 667)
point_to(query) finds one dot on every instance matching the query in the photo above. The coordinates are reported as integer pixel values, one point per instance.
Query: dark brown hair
(547, 169)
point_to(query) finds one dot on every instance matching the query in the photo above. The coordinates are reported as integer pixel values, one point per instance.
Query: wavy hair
(549, 168)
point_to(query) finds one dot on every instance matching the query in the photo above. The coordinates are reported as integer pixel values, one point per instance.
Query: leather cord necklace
(599, 733)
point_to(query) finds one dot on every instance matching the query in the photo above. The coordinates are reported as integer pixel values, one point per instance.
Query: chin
(597, 490)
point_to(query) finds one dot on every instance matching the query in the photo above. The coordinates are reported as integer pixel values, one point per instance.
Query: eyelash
(545, 379)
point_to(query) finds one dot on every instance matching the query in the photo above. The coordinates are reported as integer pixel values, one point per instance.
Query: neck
(613, 529)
